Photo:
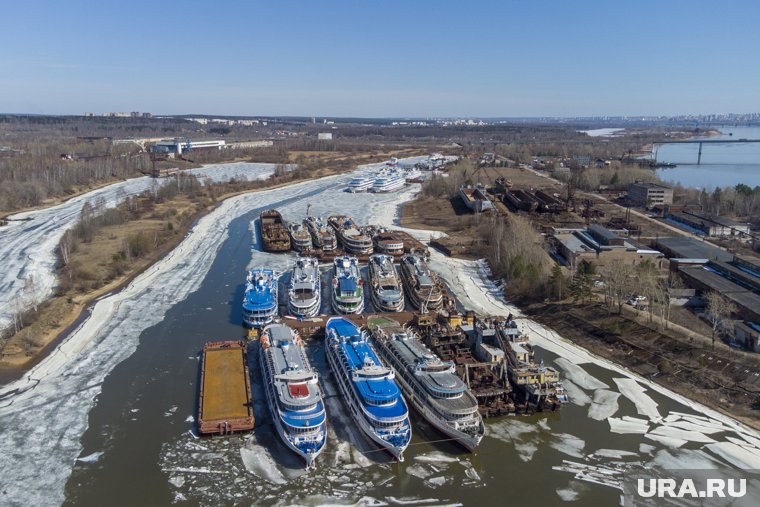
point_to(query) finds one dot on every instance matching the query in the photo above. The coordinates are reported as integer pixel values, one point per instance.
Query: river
(722, 164)
(108, 418)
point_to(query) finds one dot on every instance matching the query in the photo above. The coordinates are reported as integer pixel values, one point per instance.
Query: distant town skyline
(392, 60)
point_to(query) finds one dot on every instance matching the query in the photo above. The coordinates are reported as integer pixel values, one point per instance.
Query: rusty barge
(274, 233)
(225, 405)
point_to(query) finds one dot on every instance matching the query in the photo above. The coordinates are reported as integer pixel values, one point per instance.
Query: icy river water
(108, 418)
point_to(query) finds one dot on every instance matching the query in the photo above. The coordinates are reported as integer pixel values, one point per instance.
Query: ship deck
(225, 392)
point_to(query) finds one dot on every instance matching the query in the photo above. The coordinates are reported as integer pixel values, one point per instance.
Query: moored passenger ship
(431, 385)
(322, 236)
(260, 298)
(368, 387)
(354, 239)
(348, 289)
(386, 291)
(293, 393)
(421, 283)
(300, 238)
(304, 292)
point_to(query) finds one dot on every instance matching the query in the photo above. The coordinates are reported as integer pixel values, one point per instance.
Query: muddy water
(140, 449)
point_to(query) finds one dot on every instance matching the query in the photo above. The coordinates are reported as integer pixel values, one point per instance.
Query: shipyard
(378, 254)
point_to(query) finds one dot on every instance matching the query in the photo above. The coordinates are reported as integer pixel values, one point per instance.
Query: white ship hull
(357, 411)
(308, 458)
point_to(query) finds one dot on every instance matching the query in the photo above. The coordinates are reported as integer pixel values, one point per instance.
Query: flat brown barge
(225, 404)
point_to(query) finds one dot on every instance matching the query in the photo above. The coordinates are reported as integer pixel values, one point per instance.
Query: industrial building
(708, 225)
(600, 246)
(644, 193)
(178, 146)
(679, 247)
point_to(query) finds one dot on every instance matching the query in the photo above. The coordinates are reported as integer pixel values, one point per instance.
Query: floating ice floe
(577, 395)
(580, 376)
(623, 426)
(690, 426)
(689, 436)
(614, 453)
(737, 455)
(675, 443)
(684, 459)
(632, 390)
(568, 444)
(436, 457)
(605, 404)
(91, 458)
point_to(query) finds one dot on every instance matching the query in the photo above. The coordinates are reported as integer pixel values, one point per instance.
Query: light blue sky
(389, 58)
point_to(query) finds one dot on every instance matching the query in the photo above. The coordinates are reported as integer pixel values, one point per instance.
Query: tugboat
(300, 239)
(260, 298)
(347, 290)
(421, 283)
(386, 291)
(304, 292)
(293, 393)
(354, 239)
(368, 387)
(431, 385)
(322, 236)
(274, 234)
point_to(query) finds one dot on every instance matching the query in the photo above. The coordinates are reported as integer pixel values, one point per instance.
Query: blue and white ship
(304, 292)
(388, 182)
(260, 298)
(368, 387)
(348, 288)
(293, 393)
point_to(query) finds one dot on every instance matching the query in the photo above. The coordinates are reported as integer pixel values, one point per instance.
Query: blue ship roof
(259, 293)
(371, 390)
(317, 413)
(347, 284)
(343, 327)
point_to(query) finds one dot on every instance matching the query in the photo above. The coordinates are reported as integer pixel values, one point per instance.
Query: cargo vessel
(304, 291)
(367, 387)
(292, 391)
(429, 384)
(224, 404)
(420, 283)
(354, 239)
(386, 291)
(274, 234)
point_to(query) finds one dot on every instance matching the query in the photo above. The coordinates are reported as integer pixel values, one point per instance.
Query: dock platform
(225, 404)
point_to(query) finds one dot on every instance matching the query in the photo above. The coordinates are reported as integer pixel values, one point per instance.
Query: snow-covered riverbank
(59, 393)
(29, 241)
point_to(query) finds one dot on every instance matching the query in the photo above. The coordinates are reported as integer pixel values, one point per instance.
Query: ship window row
(387, 425)
(302, 429)
(380, 403)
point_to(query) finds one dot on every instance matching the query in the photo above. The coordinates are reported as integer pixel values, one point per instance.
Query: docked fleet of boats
(383, 367)
(388, 179)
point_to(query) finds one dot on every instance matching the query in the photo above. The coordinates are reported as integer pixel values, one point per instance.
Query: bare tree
(718, 309)
(618, 278)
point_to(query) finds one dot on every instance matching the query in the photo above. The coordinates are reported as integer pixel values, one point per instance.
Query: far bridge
(700, 142)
